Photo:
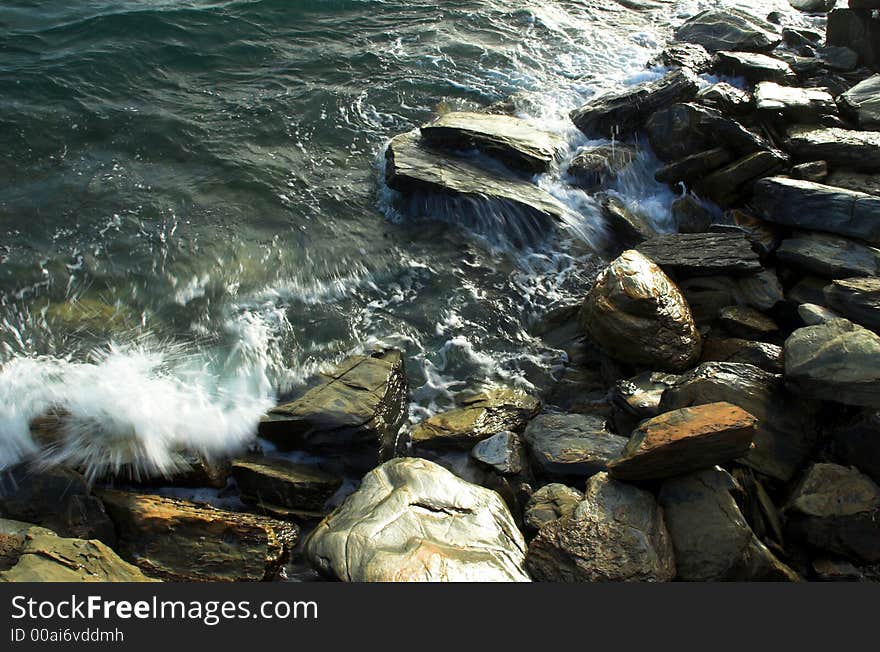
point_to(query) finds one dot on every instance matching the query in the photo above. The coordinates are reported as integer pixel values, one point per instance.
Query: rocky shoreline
(717, 418)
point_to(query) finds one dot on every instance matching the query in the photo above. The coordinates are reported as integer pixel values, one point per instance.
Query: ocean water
(193, 219)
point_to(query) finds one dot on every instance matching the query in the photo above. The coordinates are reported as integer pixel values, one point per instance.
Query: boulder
(478, 417)
(857, 443)
(755, 67)
(685, 440)
(615, 534)
(727, 98)
(794, 103)
(747, 323)
(518, 143)
(412, 167)
(596, 167)
(275, 484)
(730, 349)
(619, 114)
(845, 148)
(358, 407)
(856, 29)
(818, 207)
(412, 520)
(835, 361)
(182, 541)
(694, 167)
(571, 445)
(638, 398)
(685, 55)
(712, 540)
(34, 554)
(685, 255)
(862, 102)
(549, 503)
(691, 215)
(786, 428)
(729, 29)
(56, 498)
(727, 185)
(829, 256)
(503, 453)
(834, 508)
(811, 314)
(857, 299)
(637, 315)
(628, 228)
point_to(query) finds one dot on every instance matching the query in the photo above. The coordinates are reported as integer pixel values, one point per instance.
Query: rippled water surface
(192, 217)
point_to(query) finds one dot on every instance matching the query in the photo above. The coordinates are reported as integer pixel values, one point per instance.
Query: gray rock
(615, 534)
(747, 323)
(707, 295)
(860, 182)
(712, 540)
(818, 207)
(412, 520)
(621, 113)
(516, 142)
(729, 29)
(694, 167)
(857, 299)
(549, 503)
(835, 508)
(638, 398)
(691, 215)
(502, 452)
(786, 429)
(726, 98)
(357, 407)
(727, 185)
(627, 227)
(755, 67)
(762, 290)
(829, 256)
(412, 166)
(730, 349)
(637, 315)
(836, 361)
(794, 103)
(862, 101)
(812, 314)
(272, 483)
(571, 445)
(857, 30)
(685, 255)
(813, 6)
(798, 37)
(845, 148)
(685, 55)
(839, 57)
(595, 167)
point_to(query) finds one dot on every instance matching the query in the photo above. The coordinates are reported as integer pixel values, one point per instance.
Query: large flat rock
(685, 255)
(516, 142)
(857, 299)
(845, 148)
(729, 29)
(862, 102)
(829, 256)
(413, 166)
(818, 207)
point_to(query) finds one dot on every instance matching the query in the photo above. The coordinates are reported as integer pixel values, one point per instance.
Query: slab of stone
(755, 67)
(729, 29)
(277, 482)
(503, 452)
(694, 167)
(627, 227)
(862, 102)
(829, 256)
(728, 184)
(730, 349)
(727, 98)
(571, 445)
(857, 299)
(747, 323)
(685, 255)
(844, 148)
(795, 103)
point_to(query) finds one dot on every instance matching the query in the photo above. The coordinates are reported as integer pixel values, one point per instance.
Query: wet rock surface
(549, 503)
(503, 452)
(685, 255)
(846, 148)
(829, 256)
(596, 167)
(862, 102)
(729, 29)
(273, 483)
(857, 299)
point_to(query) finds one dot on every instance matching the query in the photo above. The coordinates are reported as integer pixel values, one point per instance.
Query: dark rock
(729, 29)
(763, 235)
(857, 30)
(621, 113)
(694, 167)
(818, 207)
(56, 498)
(503, 452)
(627, 227)
(278, 483)
(518, 143)
(834, 508)
(794, 103)
(762, 290)
(810, 289)
(638, 398)
(685, 255)
(685, 55)
(813, 6)
(857, 299)
(726, 98)
(836, 361)
(727, 185)
(867, 183)
(829, 256)
(412, 166)
(182, 541)
(691, 215)
(760, 354)
(862, 102)
(845, 148)
(838, 57)
(857, 443)
(707, 295)
(755, 67)
(828, 570)
(637, 315)
(799, 36)
(549, 503)
(815, 171)
(712, 540)
(358, 406)
(615, 534)
(598, 166)
(746, 322)
(786, 429)
(477, 418)
(571, 445)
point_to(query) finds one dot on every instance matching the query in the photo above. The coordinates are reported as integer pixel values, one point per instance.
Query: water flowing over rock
(621, 113)
(571, 445)
(685, 255)
(729, 29)
(478, 417)
(685, 440)
(412, 520)
(862, 101)
(358, 407)
(835, 508)
(549, 503)
(819, 207)
(846, 148)
(685, 55)
(34, 554)
(595, 167)
(183, 541)
(638, 315)
(627, 227)
(836, 361)
(276, 484)
(615, 534)
(516, 142)
(712, 540)
(857, 299)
